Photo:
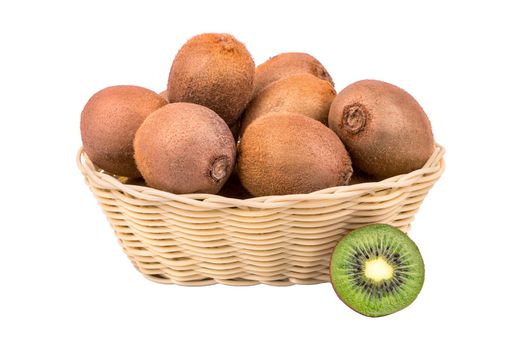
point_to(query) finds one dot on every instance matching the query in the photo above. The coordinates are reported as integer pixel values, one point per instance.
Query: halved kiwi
(377, 270)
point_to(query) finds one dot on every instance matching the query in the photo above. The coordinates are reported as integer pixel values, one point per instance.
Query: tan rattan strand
(202, 239)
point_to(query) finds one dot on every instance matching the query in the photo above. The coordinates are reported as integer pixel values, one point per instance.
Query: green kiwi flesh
(288, 153)
(303, 93)
(385, 130)
(215, 71)
(288, 64)
(109, 122)
(185, 148)
(377, 270)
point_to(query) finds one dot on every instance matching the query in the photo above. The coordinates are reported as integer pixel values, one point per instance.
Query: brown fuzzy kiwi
(185, 148)
(303, 93)
(287, 153)
(213, 70)
(109, 122)
(285, 65)
(385, 130)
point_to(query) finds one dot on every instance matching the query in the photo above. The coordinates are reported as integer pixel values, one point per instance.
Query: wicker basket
(202, 239)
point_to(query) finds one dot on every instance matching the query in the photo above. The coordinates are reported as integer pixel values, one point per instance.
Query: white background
(66, 283)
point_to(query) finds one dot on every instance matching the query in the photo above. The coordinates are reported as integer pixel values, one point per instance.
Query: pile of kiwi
(224, 126)
(276, 129)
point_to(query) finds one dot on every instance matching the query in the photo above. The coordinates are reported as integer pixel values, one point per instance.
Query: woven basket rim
(433, 167)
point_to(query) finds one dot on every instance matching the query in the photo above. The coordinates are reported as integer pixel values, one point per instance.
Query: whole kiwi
(303, 93)
(109, 122)
(287, 64)
(385, 130)
(185, 148)
(215, 71)
(288, 153)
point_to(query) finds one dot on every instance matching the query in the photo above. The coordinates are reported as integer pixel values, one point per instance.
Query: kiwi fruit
(285, 65)
(109, 122)
(185, 148)
(385, 130)
(288, 153)
(377, 270)
(303, 94)
(215, 71)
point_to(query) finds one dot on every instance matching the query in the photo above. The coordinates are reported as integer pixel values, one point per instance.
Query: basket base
(235, 282)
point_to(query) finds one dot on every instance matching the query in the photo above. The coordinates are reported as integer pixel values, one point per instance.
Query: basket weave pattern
(202, 239)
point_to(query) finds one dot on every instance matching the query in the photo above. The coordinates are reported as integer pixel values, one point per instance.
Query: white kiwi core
(378, 269)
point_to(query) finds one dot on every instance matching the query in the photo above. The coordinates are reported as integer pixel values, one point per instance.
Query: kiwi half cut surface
(377, 270)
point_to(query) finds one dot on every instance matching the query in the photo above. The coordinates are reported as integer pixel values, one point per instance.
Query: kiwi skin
(288, 64)
(288, 153)
(384, 128)
(213, 70)
(185, 148)
(109, 122)
(303, 93)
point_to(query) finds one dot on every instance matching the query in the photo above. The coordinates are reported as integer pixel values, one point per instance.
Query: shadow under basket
(203, 239)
